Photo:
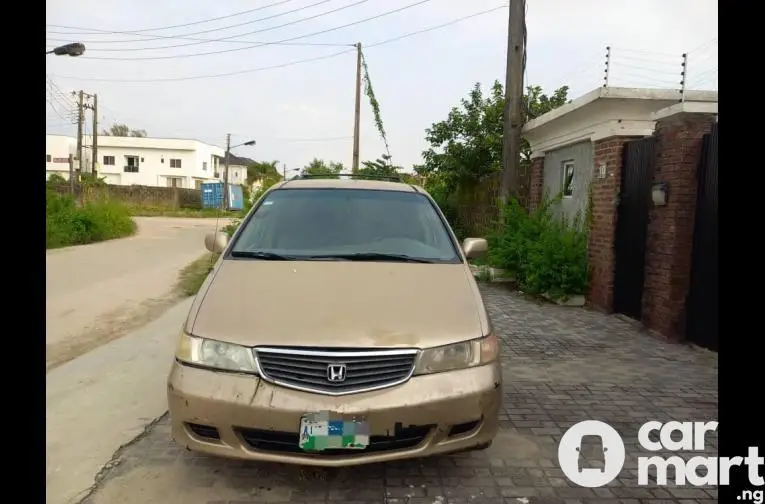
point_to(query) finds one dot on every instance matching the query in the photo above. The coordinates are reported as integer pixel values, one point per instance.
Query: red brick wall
(604, 207)
(670, 229)
(536, 182)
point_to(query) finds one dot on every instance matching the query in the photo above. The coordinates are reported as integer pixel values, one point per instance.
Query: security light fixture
(73, 49)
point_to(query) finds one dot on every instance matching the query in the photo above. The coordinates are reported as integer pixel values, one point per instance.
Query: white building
(167, 162)
(237, 168)
(57, 150)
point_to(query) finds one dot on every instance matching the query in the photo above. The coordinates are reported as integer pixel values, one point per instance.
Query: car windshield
(346, 224)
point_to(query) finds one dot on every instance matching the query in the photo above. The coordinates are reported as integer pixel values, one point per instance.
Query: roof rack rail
(351, 175)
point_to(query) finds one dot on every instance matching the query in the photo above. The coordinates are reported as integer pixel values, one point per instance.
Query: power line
(298, 37)
(55, 110)
(240, 24)
(437, 27)
(282, 65)
(133, 32)
(300, 44)
(704, 45)
(650, 53)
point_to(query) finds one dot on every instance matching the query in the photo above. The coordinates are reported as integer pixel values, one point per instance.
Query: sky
(261, 70)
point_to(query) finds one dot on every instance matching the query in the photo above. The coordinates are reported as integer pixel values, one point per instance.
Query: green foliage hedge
(67, 224)
(545, 254)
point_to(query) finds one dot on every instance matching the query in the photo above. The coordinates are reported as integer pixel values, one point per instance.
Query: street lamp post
(73, 49)
(285, 171)
(249, 143)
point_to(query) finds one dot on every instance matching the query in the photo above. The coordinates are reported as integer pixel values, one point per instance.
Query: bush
(546, 255)
(447, 202)
(67, 224)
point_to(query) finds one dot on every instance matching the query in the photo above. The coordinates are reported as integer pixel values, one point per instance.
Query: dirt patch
(108, 327)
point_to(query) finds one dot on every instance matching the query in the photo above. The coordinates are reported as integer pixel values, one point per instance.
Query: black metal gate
(632, 226)
(701, 325)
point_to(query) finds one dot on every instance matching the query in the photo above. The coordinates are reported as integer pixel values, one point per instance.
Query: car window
(316, 222)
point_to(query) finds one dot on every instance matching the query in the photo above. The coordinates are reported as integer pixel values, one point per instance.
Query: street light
(73, 49)
(248, 143)
(286, 171)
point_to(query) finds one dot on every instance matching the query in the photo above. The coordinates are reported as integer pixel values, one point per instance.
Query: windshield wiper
(372, 256)
(266, 256)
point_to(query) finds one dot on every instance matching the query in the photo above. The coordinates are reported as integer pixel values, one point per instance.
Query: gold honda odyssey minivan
(341, 325)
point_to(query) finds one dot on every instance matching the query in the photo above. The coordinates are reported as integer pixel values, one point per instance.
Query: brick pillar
(605, 193)
(536, 182)
(670, 227)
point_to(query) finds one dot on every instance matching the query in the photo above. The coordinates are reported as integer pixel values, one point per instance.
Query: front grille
(288, 442)
(335, 371)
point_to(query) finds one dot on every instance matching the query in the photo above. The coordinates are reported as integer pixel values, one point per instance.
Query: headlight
(458, 355)
(215, 354)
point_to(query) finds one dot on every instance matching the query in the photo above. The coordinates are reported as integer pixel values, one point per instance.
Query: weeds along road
(97, 293)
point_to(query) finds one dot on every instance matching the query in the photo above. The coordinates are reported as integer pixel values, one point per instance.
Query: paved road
(96, 293)
(561, 366)
(104, 399)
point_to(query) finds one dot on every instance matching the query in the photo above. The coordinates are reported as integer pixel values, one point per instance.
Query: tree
(122, 130)
(380, 167)
(263, 170)
(467, 146)
(319, 168)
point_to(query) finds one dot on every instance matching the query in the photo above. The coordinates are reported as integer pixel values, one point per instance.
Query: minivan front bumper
(243, 416)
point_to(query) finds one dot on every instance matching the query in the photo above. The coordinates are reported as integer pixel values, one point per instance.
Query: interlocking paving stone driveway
(561, 366)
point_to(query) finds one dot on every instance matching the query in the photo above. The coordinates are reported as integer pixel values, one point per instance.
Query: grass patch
(68, 224)
(191, 278)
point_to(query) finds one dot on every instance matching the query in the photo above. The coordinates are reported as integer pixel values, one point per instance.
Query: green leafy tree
(263, 170)
(320, 168)
(123, 130)
(467, 145)
(380, 167)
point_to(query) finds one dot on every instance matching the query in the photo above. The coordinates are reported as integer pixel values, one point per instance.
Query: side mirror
(474, 247)
(216, 242)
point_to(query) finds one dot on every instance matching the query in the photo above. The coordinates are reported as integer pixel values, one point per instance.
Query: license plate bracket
(325, 430)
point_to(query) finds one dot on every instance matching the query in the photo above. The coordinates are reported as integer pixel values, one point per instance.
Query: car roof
(372, 185)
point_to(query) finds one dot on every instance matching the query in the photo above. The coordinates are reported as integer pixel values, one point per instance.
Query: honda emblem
(336, 373)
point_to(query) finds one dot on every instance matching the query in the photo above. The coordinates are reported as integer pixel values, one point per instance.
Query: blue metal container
(235, 197)
(212, 195)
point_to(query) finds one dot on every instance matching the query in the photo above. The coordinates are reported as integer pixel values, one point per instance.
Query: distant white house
(57, 149)
(237, 168)
(164, 162)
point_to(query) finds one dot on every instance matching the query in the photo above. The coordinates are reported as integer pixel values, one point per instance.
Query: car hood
(339, 304)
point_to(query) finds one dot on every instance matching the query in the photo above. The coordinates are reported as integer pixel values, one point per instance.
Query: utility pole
(94, 150)
(225, 173)
(511, 138)
(80, 120)
(71, 174)
(284, 171)
(95, 136)
(357, 111)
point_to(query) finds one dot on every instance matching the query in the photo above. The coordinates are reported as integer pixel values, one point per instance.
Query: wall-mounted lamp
(659, 194)
(602, 170)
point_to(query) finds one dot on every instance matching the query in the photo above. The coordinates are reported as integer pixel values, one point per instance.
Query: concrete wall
(581, 155)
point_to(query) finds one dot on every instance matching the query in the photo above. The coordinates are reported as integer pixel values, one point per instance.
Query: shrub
(447, 202)
(545, 254)
(67, 224)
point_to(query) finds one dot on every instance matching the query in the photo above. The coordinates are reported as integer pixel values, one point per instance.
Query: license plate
(328, 431)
